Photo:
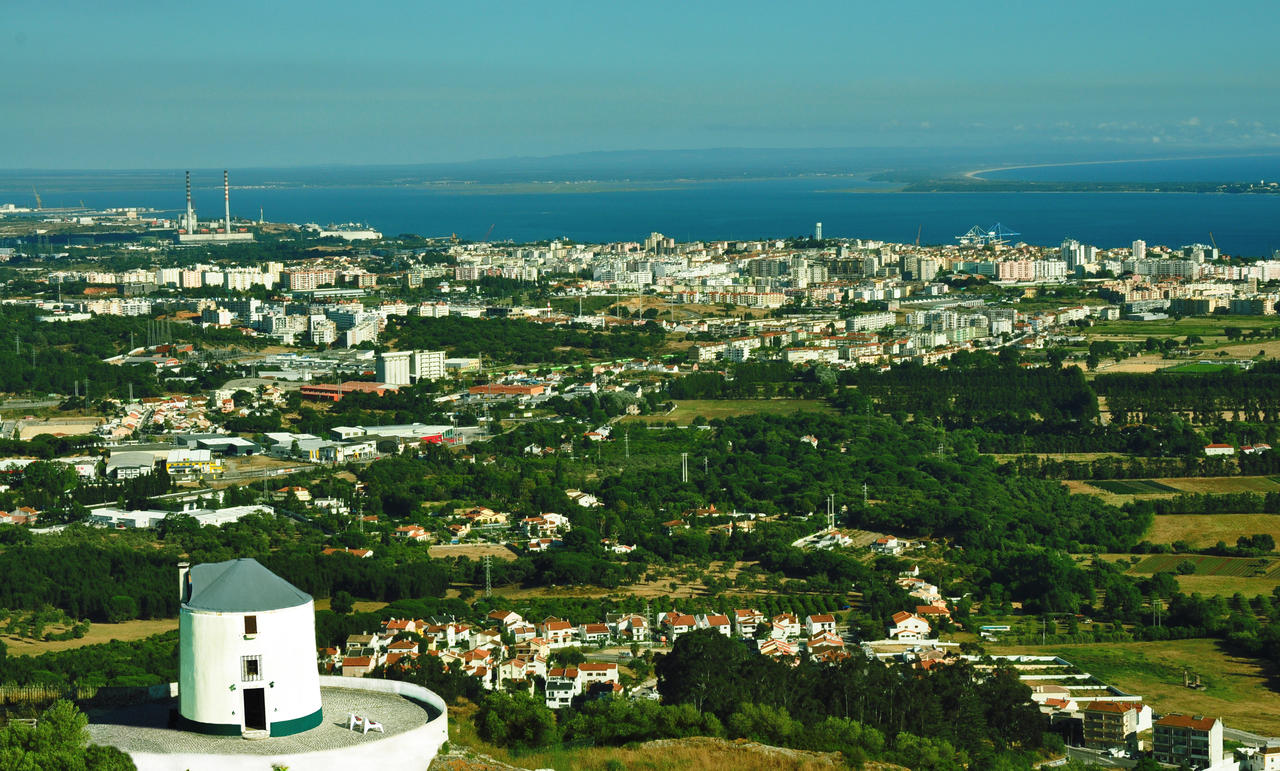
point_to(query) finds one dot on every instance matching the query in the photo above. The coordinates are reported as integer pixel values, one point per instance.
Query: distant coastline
(977, 173)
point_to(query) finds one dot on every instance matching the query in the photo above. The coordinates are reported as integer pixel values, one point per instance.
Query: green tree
(342, 603)
(58, 740)
(516, 720)
(702, 669)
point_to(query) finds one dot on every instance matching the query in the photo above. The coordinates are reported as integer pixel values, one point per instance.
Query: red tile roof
(1182, 721)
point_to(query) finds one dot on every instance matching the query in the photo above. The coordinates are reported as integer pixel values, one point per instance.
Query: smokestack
(226, 195)
(184, 568)
(189, 223)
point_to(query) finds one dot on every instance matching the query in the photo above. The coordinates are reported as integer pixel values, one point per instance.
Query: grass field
(1004, 457)
(1226, 586)
(1197, 368)
(686, 411)
(98, 633)
(1207, 529)
(1241, 691)
(1220, 485)
(1202, 326)
(1236, 567)
(472, 551)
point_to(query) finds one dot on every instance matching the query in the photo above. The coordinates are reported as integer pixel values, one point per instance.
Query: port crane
(977, 235)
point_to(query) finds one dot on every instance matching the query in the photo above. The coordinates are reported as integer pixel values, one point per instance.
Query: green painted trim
(298, 724)
(213, 729)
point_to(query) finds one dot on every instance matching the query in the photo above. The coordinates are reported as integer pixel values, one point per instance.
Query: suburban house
(632, 627)
(920, 589)
(558, 632)
(593, 633)
(908, 626)
(716, 621)
(562, 685)
(746, 620)
(597, 672)
(523, 631)
(887, 545)
(1219, 449)
(928, 612)
(820, 622)
(776, 648)
(412, 533)
(357, 666)
(676, 624)
(505, 618)
(785, 627)
(1264, 758)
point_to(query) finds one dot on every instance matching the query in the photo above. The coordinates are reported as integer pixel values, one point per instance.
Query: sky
(135, 84)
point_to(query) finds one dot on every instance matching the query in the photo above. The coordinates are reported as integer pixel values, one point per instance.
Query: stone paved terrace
(144, 728)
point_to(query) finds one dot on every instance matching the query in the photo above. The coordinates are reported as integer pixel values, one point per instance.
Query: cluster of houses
(510, 649)
(175, 414)
(911, 626)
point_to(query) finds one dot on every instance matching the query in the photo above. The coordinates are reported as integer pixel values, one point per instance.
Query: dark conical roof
(241, 586)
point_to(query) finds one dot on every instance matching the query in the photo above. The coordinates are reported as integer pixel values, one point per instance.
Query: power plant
(190, 231)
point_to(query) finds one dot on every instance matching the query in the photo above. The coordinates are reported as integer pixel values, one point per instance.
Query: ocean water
(1246, 225)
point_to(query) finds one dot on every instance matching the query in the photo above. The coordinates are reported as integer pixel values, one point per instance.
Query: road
(1236, 735)
(1097, 758)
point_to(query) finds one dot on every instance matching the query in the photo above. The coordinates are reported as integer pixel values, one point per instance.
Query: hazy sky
(284, 82)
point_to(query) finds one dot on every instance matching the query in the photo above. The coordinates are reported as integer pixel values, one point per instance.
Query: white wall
(211, 647)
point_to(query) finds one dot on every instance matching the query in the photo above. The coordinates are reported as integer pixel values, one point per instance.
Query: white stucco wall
(409, 751)
(212, 645)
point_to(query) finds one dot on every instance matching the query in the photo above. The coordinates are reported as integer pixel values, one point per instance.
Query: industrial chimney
(189, 223)
(226, 196)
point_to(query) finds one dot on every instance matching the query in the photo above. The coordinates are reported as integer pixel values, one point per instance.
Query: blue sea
(1245, 225)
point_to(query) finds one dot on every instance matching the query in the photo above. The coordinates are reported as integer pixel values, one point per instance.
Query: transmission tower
(488, 575)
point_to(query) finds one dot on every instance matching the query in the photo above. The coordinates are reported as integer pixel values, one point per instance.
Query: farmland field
(1121, 490)
(1238, 567)
(1201, 530)
(1133, 486)
(686, 411)
(1202, 326)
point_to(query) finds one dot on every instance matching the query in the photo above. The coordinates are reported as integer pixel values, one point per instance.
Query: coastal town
(240, 396)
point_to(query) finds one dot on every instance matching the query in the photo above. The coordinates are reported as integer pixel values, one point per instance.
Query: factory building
(190, 231)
